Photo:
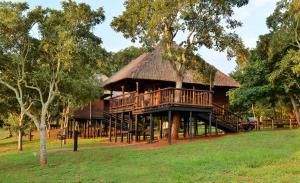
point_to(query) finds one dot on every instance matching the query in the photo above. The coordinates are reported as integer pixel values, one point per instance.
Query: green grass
(247, 157)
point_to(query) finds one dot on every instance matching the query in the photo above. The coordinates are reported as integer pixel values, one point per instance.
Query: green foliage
(110, 62)
(203, 23)
(271, 76)
(58, 63)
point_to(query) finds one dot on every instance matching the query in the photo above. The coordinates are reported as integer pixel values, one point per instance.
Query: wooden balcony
(161, 98)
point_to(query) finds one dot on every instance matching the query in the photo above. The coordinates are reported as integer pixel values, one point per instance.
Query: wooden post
(115, 130)
(75, 138)
(193, 94)
(88, 129)
(151, 129)
(205, 129)
(121, 128)
(160, 128)
(136, 127)
(101, 126)
(209, 125)
(137, 87)
(84, 129)
(109, 128)
(216, 121)
(272, 124)
(191, 126)
(169, 127)
(290, 123)
(95, 129)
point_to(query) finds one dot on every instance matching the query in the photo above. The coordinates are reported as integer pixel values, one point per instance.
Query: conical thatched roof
(150, 66)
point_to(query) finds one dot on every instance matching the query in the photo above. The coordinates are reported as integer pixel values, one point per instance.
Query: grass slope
(249, 157)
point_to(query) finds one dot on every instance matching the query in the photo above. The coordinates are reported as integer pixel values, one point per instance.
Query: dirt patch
(143, 145)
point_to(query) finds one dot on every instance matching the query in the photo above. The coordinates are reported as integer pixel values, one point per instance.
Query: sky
(253, 16)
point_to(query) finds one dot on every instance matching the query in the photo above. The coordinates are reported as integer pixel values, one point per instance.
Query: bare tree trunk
(295, 107)
(20, 141)
(20, 137)
(43, 136)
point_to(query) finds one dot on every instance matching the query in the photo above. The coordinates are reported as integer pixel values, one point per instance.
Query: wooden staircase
(222, 119)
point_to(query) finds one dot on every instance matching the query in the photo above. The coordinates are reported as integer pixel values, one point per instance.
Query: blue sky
(253, 16)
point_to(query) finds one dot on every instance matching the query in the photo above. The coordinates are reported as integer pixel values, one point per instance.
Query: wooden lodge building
(146, 102)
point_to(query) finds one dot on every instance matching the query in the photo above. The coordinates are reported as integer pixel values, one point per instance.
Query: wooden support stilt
(151, 129)
(95, 128)
(121, 128)
(290, 123)
(101, 128)
(160, 128)
(272, 124)
(88, 129)
(128, 132)
(217, 133)
(115, 130)
(109, 128)
(169, 127)
(191, 128)
(84, 130)
(195, 128)
(209, 126)
(131, 125)
(136, 127)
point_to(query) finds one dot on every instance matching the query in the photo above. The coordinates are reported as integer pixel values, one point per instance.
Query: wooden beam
(136, 127)
(169, 127)
(121, 127)
(191, 126)
(109, 128)
(115, 130)
(151, 129)
(101, 126)
(209, 125)
(137, 87)
(160, 127)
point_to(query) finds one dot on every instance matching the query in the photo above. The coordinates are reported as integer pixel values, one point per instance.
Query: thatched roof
(150, 66)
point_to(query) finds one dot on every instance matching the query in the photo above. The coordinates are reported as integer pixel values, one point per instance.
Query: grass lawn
(248, 157)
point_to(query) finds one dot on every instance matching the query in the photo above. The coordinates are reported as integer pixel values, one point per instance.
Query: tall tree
(37, 65)
(272, 69)
(200, 23)
(111, 62)
(284, 49)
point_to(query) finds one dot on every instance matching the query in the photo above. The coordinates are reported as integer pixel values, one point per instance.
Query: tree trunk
(176, 125)
(43, 135)
(176, 115)
(295, 107)
(20, 137)
(20, 141)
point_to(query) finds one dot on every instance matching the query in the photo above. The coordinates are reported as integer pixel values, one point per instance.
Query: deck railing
(226, 116)
(167, 96)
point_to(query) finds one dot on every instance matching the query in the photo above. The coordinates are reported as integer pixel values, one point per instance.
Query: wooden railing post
(193, 94)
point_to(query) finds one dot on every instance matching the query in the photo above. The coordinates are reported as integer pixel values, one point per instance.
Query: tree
(272, 69)
(202, 23)
(284, 49)
(111, 62)
(36, 66)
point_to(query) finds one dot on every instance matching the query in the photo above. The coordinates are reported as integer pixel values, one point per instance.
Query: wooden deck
(162, 98)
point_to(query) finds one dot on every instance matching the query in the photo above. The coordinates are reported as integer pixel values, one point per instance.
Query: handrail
(134, 101)
(226, 116)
